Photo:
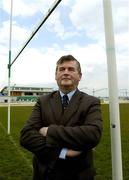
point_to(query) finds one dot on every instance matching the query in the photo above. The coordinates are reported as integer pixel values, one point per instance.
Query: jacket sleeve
(32, 140)
(83, 137)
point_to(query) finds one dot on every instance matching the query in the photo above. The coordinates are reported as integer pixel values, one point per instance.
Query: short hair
(67, 58)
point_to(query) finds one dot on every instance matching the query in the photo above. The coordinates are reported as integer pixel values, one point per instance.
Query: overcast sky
(76, 27)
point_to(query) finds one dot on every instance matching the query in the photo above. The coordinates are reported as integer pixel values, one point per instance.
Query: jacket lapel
(56, 105)
(72, 107)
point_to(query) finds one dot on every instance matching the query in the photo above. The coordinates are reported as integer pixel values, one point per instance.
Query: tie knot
(65, 100)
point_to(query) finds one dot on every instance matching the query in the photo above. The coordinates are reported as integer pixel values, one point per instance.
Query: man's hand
(72, 153)
(43, 131)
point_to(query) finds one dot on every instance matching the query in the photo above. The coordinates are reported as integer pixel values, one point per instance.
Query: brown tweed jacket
(79, 128)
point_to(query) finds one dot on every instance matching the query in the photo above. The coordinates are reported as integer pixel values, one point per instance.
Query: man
(63, 130)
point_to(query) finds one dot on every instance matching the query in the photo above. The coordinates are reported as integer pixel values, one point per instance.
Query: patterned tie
(65, 101)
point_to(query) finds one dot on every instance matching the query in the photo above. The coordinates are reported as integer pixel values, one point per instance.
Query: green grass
(16, 162)
(103, 150)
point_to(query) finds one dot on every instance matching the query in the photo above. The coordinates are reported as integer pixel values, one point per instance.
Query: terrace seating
(26, 99)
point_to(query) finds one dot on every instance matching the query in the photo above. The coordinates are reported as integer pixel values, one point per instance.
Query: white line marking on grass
(17, 148)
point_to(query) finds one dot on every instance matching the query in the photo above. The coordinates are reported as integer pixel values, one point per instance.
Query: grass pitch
(16, 162)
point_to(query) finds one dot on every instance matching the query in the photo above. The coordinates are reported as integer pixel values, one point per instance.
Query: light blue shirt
(64, 150)
(70, 94)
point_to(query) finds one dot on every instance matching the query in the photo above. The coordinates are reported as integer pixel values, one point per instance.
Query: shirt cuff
(63, 153)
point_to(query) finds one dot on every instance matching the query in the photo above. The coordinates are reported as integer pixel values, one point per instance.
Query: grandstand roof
(26, 89)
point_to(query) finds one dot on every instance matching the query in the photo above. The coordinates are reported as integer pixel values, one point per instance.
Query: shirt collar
(70, 94)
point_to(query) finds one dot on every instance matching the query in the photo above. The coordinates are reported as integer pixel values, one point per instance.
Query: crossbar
(49, 12)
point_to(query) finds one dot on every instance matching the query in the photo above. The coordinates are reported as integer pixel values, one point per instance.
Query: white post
(49, 12)
(9, 65)
(113, 93)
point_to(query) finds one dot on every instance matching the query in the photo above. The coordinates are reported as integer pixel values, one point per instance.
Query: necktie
(65, 101)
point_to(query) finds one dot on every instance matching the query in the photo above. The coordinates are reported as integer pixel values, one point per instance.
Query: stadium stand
(23, 94)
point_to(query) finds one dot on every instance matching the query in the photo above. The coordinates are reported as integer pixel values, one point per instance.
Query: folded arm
(68, 152)
(80, 137)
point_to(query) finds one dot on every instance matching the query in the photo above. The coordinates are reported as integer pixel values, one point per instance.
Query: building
(23, 94)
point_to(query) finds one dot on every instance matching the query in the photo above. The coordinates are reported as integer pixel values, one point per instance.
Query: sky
(75, 27)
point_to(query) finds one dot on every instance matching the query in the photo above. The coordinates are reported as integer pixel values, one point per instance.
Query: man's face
(67, 76)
